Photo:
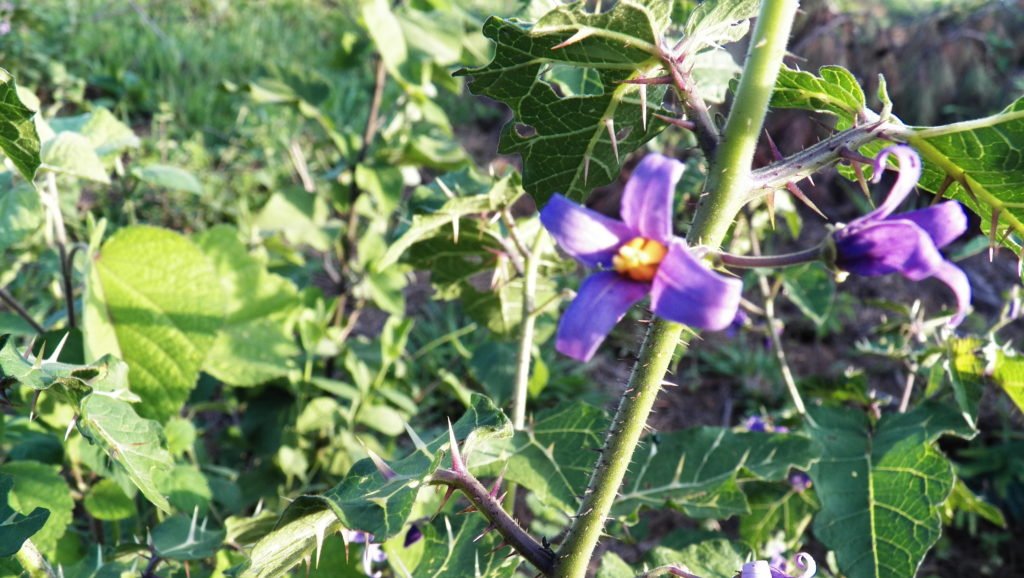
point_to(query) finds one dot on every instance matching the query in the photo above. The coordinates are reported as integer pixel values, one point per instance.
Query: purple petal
(910, 172)
(944, 222)
(647, 199)
(955, 278)
(587, 235)
(889, 246)
(601, 302)
(685, 291)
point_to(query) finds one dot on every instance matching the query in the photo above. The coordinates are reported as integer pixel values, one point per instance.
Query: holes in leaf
(568, 81)
(524, 130)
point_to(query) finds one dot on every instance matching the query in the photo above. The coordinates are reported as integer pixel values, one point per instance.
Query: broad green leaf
(696, 470)
(72, 154)
(131, 442)
(881, 487)
(553, 457)
(168, 177)
(21, 214)
(716, 558)
(967, 374)
(451, 549)
(18, 137)
(365, 500)
(15, 527)
(835, 91)
(183, 538)
(812, 289)
(187, 489)
(1009, 374)
(572, 144)
(154, 300)
(108, 135)
(386, 32)
(107, 501)
(713, 72)
(39, 486)
(298, 215)
(255, 343)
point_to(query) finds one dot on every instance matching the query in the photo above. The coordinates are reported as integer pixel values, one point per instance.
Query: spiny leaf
(696, 470)
(553, 458)
(450, 550)
(574, 143)
(183, 538)
(365, 500)
(18, 137)
(881, 487)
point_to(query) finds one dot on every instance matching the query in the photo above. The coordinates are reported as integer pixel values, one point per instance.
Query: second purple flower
(635, 257)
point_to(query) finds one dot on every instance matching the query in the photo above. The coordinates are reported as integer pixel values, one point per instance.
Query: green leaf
(553, 458)
(168, 177)
(964, 500)
(107, 135)
(21, 214)
(777, 508)
(15, 528)
(39, 487)
(985, 159)
(713, 71)
(255, 343)
(967, 374)
(612, 566)
(472, 195)
(565, 141)
(881, 488)
(18, 137)
(107, 501)
(715, 558)
(386, 32)
(133, 443)
(183, 538)
(72, 154)
(835, 91)
(718, 22)
(696, 470)
(812, 289)
(365, 500)
(298, 215)
(187, 489)
(154, 300)
(1009, 374)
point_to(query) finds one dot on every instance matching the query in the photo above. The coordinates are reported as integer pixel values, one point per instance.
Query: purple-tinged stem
(770, 261)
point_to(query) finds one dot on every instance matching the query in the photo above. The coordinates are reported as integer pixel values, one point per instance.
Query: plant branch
(489, 505)
(728, 187)
(51, 200)
(769, 261)
(18, 308)
(704, 126)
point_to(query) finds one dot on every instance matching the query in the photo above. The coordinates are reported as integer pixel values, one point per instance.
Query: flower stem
(769, 261)
(728, 185)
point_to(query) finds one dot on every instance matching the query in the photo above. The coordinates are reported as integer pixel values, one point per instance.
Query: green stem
(728, 185)
(526, 334)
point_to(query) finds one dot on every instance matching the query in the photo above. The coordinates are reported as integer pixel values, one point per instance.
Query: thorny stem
(728, 186)
(18, 308)
(525, 353)
(908, 388)
(535, 553)
(704, 126)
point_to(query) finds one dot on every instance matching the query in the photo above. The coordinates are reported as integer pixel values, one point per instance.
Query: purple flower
(635, 257)
(761, 569)
(413, 535)
(799, 481)
(880, 243)
(372, 552)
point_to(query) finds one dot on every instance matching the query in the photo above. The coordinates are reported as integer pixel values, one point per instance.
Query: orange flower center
(639, 259)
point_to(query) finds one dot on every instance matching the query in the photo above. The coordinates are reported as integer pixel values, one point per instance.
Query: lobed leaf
(881, 487)
(836, 91)
(571, 144)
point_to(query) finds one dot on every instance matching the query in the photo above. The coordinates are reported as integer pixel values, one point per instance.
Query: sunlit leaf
(18, 137)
